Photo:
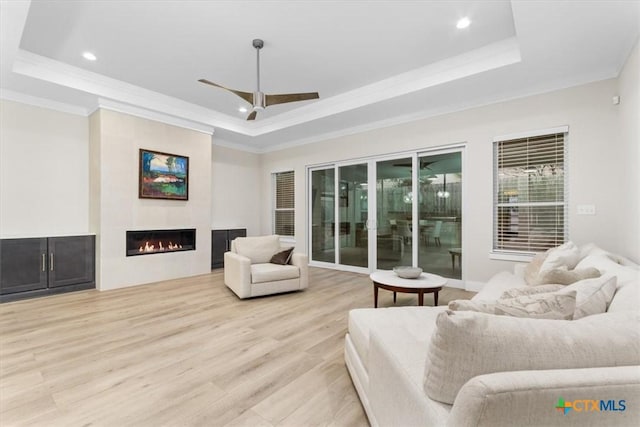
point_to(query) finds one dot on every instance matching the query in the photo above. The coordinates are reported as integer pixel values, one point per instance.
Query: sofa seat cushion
(395, 380)
(267, 272)
(418, 322)
(467, 344)
(258, 249)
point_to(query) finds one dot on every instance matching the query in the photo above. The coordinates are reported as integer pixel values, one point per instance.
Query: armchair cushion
(261, 273)
(258, 249)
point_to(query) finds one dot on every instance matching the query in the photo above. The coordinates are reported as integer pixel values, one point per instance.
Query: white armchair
(248, 271)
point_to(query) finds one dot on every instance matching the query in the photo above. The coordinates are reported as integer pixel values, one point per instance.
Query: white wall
(116, 208)
(595, 163)
(629, 115)
(235, 180)
(44, 172)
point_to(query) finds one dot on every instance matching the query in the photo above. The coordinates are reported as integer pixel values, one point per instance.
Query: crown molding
(107, 104)
(236, 146)
(492, 56)
(35, 101)
(40, 67)
(584, 79)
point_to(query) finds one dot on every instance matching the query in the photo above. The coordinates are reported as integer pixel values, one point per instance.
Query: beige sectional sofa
(424, 366)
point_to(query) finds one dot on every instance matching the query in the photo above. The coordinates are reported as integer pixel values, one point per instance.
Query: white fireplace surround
(115, 208)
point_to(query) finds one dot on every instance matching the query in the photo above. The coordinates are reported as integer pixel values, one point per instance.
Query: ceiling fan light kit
(258, 99)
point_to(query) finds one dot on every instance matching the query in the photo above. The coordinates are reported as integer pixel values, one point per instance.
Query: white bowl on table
(407, 272)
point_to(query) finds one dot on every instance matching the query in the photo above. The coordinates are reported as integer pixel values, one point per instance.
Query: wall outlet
(586, 209)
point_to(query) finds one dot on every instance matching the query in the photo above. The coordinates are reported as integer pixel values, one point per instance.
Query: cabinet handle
(51, 261)
(44, 262)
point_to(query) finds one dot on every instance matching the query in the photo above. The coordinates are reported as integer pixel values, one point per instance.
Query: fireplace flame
(150, 247)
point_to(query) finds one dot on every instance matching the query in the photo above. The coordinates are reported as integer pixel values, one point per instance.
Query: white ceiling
(374, 63)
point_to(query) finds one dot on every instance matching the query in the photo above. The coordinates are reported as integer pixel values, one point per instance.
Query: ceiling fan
(259, 100)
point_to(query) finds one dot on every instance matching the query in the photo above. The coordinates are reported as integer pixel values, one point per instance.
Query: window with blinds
(530, 203)
(284, 212)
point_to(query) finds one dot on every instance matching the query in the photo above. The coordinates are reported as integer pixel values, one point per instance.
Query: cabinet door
(218, 248)
(238, 232)
(23, 265)
(71, 260)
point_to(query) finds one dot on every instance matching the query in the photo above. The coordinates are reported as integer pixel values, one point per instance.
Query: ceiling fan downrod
(258, 96)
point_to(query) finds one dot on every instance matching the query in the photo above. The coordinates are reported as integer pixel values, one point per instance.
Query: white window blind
(284, 213)
(530, 203)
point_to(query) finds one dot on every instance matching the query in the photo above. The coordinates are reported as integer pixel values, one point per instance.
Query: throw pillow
(538, 306)
(466, 344)
(566, 255)
(562, 276)
(530, 290)
(468, 305)
(283, 257)
(593, 295)
(532, 269)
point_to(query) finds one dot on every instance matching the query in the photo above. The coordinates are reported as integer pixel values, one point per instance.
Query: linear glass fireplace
(148, 242)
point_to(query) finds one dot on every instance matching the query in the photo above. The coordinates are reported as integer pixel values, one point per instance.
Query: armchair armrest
(301, 261)
(528, 398)
(237, 274)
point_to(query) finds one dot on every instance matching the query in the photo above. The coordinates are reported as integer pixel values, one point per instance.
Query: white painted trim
(454, 283)
(235, 146)
(423, 115)
(107, 104)
(496, 55)
(473, 286)
(22, 98)
(511, 256)
(47, 69)
(532, 133)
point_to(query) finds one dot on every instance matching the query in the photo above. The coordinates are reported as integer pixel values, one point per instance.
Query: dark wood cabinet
(221, 243)
(33, 267)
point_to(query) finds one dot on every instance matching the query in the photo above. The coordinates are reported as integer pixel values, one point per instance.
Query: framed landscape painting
(163, 176)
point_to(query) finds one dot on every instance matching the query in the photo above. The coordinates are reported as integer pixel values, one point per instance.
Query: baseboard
(473, 286)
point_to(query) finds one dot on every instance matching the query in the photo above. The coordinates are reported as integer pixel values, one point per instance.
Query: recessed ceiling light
(243, 109)
(463, 23)
(89, 56)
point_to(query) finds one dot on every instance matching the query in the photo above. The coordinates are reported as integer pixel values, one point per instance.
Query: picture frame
(163, 176)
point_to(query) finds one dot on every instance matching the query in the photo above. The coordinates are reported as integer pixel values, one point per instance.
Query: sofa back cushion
(258, 249)
(467, 344)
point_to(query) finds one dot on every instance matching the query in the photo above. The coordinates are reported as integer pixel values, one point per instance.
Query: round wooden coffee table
(425, 284)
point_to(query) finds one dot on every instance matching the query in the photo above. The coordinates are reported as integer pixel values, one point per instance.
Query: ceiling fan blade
(252, 115)
(244, 95)
(289, 97)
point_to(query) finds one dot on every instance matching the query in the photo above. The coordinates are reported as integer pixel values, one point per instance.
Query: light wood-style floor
(185, 352)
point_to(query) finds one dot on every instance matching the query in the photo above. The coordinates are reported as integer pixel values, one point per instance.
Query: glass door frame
(371, 224)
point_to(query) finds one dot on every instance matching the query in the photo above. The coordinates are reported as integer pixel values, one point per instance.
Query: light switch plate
(586, 209)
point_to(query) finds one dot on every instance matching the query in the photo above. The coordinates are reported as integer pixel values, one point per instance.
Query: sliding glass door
(384, 212)
(394, 213)
(353, 213)
(323, 215)
(440, 213)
